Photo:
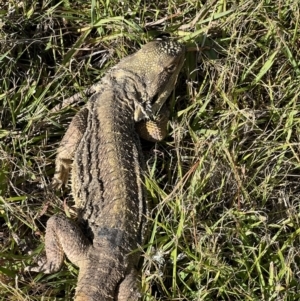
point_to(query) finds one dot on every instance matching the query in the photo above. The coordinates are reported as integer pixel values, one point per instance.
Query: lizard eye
(171, 68)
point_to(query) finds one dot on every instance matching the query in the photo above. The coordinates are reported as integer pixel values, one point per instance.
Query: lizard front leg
(154, 130)
(68, 146)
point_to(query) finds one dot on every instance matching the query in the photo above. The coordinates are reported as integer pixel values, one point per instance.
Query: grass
(224, 185)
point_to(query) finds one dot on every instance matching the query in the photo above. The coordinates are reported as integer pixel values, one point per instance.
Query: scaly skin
(107, 176)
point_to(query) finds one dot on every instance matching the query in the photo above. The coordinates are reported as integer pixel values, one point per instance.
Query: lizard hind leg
(129, 288)
(62, 237)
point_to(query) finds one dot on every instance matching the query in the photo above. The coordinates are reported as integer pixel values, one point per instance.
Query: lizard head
(157, 64)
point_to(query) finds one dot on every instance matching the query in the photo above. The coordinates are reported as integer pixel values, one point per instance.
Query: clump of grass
(224, 185)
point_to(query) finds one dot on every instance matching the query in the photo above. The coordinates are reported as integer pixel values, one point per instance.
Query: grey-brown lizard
(107, 175)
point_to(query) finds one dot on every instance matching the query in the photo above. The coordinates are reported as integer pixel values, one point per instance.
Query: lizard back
(107, 175)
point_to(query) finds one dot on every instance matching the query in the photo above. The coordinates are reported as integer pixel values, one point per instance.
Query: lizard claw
(41, 266)
(56, 183)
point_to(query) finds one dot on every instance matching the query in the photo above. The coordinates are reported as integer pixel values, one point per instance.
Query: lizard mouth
(155, 106)
(154, 99)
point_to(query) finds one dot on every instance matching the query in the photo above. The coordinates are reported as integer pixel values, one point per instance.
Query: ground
(224, 185)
